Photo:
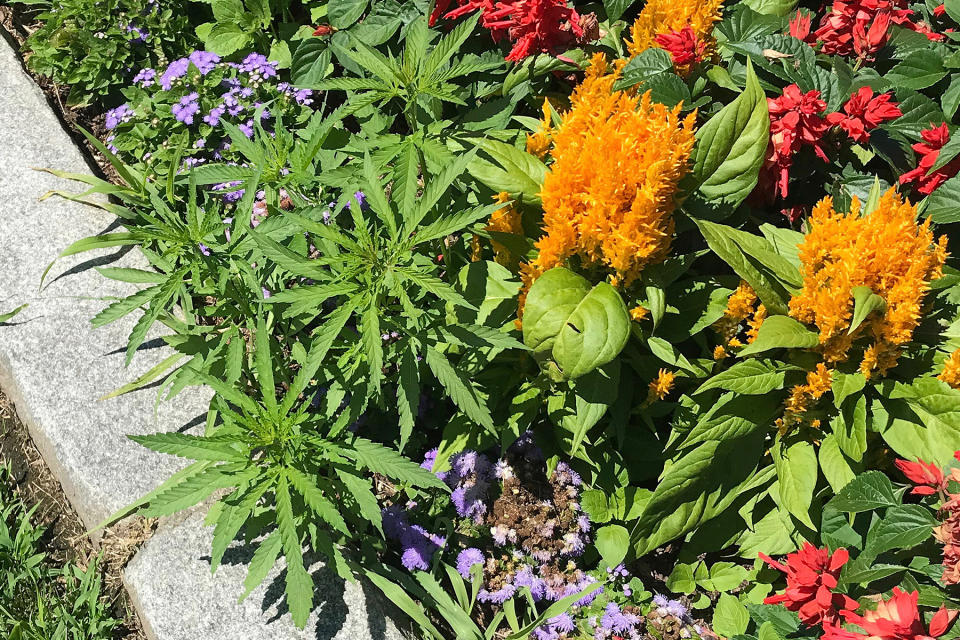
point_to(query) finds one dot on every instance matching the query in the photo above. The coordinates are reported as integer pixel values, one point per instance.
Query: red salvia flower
(812, 575)
(860, 26)
(682, 46)
(926, 180)
(940, 11)
(927, 476)
(800, 27)
(864, 112)
(794, 122)
(534, 26)
(895, 619)
(323, 30)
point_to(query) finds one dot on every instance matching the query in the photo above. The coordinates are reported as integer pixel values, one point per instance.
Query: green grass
(38, 599)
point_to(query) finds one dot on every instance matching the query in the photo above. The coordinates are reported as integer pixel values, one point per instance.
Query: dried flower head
(886, 251)
(681, 27)
(610, 192)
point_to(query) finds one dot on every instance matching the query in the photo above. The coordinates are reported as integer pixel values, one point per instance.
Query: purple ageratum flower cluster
(556, 628)
(117, 116)
(467, 559)
(418, 545)
(145, 78)
(300, 96)
(666, 607)
(187, 108)
(617, 622)
(258, 67)
(470, 476)
(619, 574)
(204, 61)
(175, 70)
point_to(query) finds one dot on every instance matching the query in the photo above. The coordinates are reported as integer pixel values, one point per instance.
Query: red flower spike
(812, 575)
(860, 26)
(926, 180)
(794, 122)
(534, 26)
(864, 112)
(927, 476)
(682, 46)
(940, 11)
(323, 30)
(800, 27)
(895, 619)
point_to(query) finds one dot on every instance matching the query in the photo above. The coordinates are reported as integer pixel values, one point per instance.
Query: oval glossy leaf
(579, 328)
(731, 145)
(778, 332)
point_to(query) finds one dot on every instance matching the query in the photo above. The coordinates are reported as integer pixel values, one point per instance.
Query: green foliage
(39, 600)
(95, 47)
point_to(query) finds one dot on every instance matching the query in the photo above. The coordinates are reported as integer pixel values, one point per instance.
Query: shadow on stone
(102, 261)
(156, 343)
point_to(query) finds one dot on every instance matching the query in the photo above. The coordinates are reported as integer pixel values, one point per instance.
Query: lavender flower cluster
(419, 545)
(187, 104)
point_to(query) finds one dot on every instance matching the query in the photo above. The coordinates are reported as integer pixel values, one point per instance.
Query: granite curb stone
(54, 366)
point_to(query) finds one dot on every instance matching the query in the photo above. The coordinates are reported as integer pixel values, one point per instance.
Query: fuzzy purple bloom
(467, 559)
(117, 116)
(499, 596)
(145, 77)
(204, 61)
(187, 108)
(176, 70)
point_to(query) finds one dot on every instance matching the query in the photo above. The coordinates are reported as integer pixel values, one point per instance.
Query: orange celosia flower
(639, 312)
(742, 305)
(505, 220)
(609, 194)
(663, 24)
(538, 143)
(951, 370)
(886, 251)
(801, 395)
(661, 385)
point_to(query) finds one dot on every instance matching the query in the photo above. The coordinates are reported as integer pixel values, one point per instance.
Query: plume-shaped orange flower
(886, 251)
(681, 27)
(609, 195)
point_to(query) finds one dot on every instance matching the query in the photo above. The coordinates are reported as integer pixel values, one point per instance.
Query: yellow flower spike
(639, 312)
(802, 395)
(886, 251)
(662, 17)
(661, 385)
(505, 220)
(610, 193)
(951, 370)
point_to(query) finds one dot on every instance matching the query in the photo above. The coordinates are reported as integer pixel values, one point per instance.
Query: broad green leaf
(343, 13)
(310, 62)
(578, 327)
(797, 470)
(697, 487)
(865, 302)
(781, 332)
(730, 618)
(750, 377)
(644, 66)
(773, 8)
(616, 8)
(850, 428)
(753, 259)
(844, 385)
(731, 146)
(868, 491)
(580, 408)
(836, 467)
(919, 70)
(902, 527)
(613, 543)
